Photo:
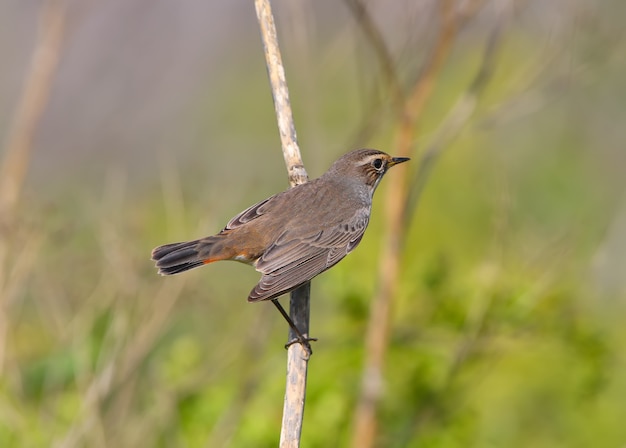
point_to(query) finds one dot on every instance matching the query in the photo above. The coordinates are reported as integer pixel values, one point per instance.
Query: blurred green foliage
(501, 336)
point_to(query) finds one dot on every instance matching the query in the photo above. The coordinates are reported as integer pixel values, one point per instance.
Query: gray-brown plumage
(295, 235)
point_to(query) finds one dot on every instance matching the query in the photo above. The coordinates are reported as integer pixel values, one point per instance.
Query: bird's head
(365, 165)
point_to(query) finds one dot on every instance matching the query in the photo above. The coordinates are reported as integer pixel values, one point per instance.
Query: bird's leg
(299, 336)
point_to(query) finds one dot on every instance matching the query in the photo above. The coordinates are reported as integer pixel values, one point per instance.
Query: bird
(293, 236)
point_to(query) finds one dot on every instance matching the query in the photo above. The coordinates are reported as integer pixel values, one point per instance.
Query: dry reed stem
(115, 380)
(365, 428)
(32, 103)
(280, 94)
(18, 145)
(458, 116)
(399, 201)
(377, 41)
(449, 129)
(297, 358)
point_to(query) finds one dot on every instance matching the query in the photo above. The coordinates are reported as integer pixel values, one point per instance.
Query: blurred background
(129, 124)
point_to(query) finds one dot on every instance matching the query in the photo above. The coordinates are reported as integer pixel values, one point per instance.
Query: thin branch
(425, 83)
(32, 103)
(280, 93)
(449, 129)
(297, 358)
(365, 21)
(365, 428)
(18, 146)
(399, 202)
(457, 118)
(373, 119)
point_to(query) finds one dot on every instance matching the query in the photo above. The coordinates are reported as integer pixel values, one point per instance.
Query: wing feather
(249, 214)
(298, 256)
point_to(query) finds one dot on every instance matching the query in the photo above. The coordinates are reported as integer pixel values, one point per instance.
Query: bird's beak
(396, 160)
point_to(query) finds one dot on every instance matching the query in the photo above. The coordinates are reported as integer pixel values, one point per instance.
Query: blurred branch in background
(456, 119)
(32, 103)
(379, 47)
(17, 150)
(399, 202)
(112, 382)
(450, 127)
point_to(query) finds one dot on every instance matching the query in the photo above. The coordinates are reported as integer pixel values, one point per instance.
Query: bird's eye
(377, 163)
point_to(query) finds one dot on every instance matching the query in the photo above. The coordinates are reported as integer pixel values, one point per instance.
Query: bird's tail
(179, 257)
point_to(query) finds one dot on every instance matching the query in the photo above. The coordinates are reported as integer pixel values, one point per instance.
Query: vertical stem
(17, 148)
(32, 103)
(280, 93)
(297, 358)
(365, 430)
(297, 364)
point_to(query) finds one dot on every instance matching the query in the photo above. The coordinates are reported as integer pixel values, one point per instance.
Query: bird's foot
(304, 342)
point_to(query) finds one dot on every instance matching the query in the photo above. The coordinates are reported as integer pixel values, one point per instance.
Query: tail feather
(179, 257)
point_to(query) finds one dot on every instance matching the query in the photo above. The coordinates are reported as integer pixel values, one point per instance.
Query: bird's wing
(252, 212)
(299, 255)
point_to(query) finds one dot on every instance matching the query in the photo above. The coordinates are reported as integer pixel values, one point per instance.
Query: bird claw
(304, 342)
